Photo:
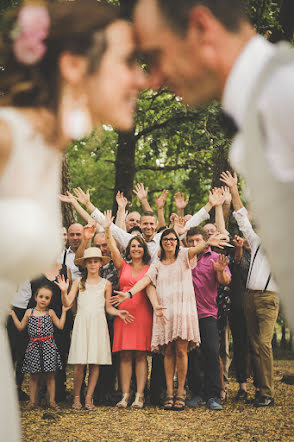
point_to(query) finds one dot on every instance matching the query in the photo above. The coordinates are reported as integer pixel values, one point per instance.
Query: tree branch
(165, 123)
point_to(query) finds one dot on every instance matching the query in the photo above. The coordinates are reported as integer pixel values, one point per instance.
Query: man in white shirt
(207, 49)
(74, 236)
(148, 224)
(261, 303)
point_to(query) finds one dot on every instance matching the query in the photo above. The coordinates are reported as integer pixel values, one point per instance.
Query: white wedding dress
(30, 236)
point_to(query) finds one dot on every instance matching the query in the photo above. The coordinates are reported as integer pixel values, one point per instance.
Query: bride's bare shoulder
(5, 145)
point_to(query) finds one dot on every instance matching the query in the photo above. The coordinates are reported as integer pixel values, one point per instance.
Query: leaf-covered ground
(236, 422)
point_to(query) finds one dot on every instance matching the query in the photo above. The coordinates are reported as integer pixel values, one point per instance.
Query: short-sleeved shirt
(205, 284)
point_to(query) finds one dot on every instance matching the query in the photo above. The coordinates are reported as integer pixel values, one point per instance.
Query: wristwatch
(130, 294)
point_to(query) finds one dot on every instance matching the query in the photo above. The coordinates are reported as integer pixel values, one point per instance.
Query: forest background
(171, 146)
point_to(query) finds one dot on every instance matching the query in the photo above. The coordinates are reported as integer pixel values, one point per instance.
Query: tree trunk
(125, 166)
(68, 216)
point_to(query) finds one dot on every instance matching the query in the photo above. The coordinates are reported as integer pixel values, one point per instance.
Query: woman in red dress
(135, 338)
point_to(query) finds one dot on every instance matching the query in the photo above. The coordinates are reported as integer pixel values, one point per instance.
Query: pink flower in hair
(31, 29)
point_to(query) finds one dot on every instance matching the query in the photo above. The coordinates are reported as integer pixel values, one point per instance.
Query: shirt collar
(243, 76)
(208, 251)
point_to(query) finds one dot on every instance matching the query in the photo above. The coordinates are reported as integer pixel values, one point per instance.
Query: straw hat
(92, 252)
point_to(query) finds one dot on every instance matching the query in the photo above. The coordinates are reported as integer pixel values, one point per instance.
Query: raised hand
(62, 283)
(172, 219)
(125, 316)
(181, 203)
(121, 200)
(229, 179)
(159, 313)
(82, 197)
(160, 200)
(180, 225)
(220, 264)
(217, 196)
(238, 241)
(227, 194)
(141, 191)
(68, 198)
(218, 240)
(108, 219)
(119, 298)
(89, 231)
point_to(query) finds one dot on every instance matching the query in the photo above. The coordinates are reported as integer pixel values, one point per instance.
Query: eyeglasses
(169, 239)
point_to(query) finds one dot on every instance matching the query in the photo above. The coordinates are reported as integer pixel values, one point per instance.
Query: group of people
(135, 287)
(69, 67)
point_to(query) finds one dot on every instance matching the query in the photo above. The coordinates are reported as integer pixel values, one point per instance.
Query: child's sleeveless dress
(90, 343)
(41, 355)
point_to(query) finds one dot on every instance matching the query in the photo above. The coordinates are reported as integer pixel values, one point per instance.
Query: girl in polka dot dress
(41, 354)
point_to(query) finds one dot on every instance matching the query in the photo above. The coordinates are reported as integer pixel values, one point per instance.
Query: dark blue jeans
(209, 385)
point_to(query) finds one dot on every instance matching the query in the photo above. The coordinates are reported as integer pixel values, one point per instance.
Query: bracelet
(130, 294)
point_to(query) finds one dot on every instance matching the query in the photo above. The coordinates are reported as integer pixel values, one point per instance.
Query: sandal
(168, 403)
(180, 402)
(77, 403)
(89, 403)
(31, 405)
(123, 403)
(139, 401)
(53, 405)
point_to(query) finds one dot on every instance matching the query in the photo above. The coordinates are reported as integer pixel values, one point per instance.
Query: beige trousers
(261, 312)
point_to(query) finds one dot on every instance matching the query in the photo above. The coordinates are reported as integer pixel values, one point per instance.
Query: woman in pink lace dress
(171, 275)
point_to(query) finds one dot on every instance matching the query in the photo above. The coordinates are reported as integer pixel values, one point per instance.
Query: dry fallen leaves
(236, 422)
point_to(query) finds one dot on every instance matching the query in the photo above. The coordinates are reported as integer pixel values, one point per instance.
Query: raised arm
(231, 181)
(88, 233)
(59, 322)
(160, 202)
(227, 203)
(120, 220)
(69, 198)
(238, 243)
(142, 194)
(122, 296)
(220, 266)
(202, 214)
(67, 299)
(119, 234)
(181, 203)
(219, 214)
(20, 325)
(115, 253)
(216, 240)
(240, 213)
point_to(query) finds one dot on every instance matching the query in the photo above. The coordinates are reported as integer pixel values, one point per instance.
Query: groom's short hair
(231, 13)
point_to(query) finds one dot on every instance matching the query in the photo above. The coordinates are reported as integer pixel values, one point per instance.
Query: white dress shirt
(259, 270)
(69, 262)
(123, 238)
(23, 295)
(276, 106)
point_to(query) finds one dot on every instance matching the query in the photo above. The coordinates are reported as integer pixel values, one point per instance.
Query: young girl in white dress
(90, 342)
